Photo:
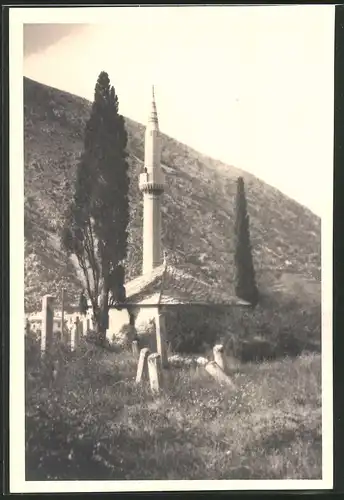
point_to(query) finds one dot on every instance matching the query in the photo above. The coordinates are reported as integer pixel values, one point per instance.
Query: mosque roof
(167, 284)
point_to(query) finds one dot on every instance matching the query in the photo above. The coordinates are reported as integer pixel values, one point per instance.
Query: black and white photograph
(171, 248)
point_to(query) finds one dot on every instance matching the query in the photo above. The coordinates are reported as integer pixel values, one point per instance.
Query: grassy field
(94, 422)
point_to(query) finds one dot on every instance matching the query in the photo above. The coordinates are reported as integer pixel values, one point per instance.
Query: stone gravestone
(81, 328)
(47, 323)
(219, 375)
(75, 334)
(219, 357)
(154, 371)
(86, 324)
(27, 327)
(161, 338)
(136, 349)
(142, 370)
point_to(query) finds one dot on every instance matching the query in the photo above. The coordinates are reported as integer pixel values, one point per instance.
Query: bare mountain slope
(198, 207)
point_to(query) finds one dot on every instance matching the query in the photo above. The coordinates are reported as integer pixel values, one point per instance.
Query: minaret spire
(153, 116)
(152, 186)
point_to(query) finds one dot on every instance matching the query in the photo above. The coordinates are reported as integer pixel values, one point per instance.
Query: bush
(274, 330)
(32, 349)
(91, 336)
(125, 336)
(193, 329)
(269, 331)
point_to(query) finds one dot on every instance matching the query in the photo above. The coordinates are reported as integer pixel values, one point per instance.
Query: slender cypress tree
(246, 287)
(95, 228)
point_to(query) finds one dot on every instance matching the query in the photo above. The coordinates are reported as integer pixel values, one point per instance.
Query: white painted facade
(118, 319)
(35, 320)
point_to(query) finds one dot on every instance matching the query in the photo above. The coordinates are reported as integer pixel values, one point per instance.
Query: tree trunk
(102, 318)
(131, 318)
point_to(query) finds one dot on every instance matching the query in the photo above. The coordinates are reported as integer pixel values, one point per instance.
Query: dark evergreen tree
(246, 287)
(95, 228)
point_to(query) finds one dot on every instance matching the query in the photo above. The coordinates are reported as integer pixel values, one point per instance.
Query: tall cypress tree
(95, 229)
(246, 287)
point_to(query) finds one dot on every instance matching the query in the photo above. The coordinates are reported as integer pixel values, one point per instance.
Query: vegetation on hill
(285, 236)
(93, 422)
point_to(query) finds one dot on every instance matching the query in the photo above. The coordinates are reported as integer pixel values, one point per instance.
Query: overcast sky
(250, 86)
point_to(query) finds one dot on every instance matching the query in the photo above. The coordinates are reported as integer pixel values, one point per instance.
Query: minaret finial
(153, 117)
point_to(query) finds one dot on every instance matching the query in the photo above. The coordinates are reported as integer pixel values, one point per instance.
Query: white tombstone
(160, 328)
(47, 323)
(219, 357)
(75, 334)
(142, 369)
(154, 371)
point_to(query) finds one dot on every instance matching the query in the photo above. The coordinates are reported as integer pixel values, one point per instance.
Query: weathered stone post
(219, 375)
(27, 327)
(47, 323)
(136, 349)
(85, 322)
(161, 346)
(219, 357)
(72, 336)
(75, 334)
(154, 371)
(81, 328)
(62, 313)
(142, 369)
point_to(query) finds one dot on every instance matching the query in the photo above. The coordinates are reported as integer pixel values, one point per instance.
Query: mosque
(160, 284)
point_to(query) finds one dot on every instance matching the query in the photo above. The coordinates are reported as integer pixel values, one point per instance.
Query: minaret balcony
(152, 182)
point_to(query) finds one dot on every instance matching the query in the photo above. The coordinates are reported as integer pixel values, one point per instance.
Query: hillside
(285, 236)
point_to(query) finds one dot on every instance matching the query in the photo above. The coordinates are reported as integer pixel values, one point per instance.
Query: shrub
(147, 336)
(194, 328)
(274, 330)
(32, 349)
(125, 336)
(271, 330)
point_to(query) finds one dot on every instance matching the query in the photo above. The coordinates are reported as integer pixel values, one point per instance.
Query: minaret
(152, 186)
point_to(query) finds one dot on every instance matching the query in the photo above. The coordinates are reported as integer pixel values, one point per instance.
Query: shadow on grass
(282, 440)
(58, 454)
